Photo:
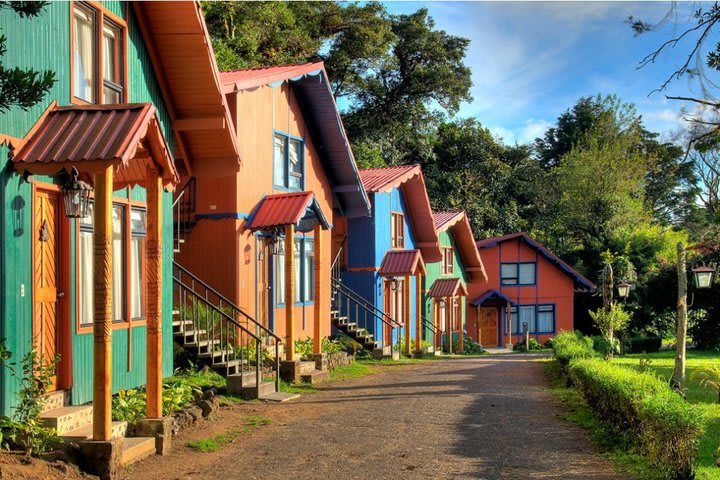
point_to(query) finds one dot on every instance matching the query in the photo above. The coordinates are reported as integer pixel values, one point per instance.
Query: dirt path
(483, 418)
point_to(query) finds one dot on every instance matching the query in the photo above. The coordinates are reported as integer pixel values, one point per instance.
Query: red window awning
(297, 208)
(399, 263)
(92, 137)
(447, 287)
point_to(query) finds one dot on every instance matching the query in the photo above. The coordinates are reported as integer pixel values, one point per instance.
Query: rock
(209, 406)
(195, 412)
(210, 393)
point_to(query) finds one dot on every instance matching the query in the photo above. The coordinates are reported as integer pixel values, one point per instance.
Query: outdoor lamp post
(623, 289)
(76, 196)
(703, 276)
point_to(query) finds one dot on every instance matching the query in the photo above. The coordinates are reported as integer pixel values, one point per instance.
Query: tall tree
(22, 87)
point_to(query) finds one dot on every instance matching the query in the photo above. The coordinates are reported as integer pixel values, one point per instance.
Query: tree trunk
(678, 377)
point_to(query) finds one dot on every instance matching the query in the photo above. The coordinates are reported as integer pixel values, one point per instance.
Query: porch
(448, 299)
(492, 310)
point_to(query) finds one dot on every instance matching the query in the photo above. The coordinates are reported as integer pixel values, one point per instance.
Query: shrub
(601, 346)
(568, 346)
(470, 346)
(533, 344)
(330, 345)
(304, 347)
(664, 427)
(642, 344)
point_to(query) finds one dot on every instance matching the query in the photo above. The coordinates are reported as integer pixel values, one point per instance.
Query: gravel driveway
(483, 418)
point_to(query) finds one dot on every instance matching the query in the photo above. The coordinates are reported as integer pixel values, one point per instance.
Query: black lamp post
(76, 196)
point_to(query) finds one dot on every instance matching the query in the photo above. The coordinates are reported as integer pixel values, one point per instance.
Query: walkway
(482, 418)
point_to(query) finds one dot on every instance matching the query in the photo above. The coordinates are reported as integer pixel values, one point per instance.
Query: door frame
(497, 322)
(65, 367)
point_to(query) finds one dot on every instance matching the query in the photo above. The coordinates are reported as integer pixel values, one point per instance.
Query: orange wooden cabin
(526, 283)
(298, 177)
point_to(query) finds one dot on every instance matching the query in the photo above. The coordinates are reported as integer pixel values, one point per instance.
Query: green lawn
(705, 399)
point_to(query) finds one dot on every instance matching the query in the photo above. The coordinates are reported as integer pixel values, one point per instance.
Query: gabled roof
(399, 263)
(285, 209)
(92, 137)
(447, 287)
(582, 284)
(181, 53)
(310, 83)
(491, 295)
(462, 233)
(409, 179)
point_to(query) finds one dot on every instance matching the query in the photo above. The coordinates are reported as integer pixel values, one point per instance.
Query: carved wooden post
(290, 293)
(407, 319)
(508, 323)
(102, 318)
(419, 312)
(460, 324)
(319, 311)
(450, 317)
(154, 295)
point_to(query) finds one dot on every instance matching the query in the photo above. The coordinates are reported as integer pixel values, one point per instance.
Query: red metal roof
(447, 287)
(256, 77)
(284, 209)
(91, 137)
(581, 283)
(459, 224)
(386, 178)
(444, 220)
(399, 263)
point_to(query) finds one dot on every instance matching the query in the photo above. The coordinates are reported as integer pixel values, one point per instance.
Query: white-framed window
(288, 162)
(518, 273)
(85, 24)
(304, 265)
(447, 262)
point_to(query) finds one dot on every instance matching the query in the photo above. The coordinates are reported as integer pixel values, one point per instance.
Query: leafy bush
(611, 321)
(568, 346)
(470, 347)
(663, 426)
(644, 344)
(709, 377)
(532, 343)
(128, 405)
(330, 345)
(304, 347)
(601, 345)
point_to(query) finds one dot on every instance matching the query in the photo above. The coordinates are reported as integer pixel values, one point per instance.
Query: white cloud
(531, 129)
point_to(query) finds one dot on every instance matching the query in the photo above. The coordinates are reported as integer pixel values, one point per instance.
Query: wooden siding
(553, 286)
(44, 43)
(229, 250)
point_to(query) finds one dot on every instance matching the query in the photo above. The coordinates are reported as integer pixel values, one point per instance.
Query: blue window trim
(518, 284)
(303, 239)
(537, 312)
(288, 137)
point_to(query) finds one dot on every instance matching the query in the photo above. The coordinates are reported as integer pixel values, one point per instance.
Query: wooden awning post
(461, 345)
(319, 299)
(407, 319)
(102, 318)
(418, 312)
(508, 323)
(450, 316)
(289, 293)
(154, 294)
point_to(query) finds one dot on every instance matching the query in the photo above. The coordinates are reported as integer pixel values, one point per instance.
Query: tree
(19, 87)
(610, 321)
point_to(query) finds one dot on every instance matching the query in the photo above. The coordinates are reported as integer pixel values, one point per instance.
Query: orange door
(47, 248)
(489, 327)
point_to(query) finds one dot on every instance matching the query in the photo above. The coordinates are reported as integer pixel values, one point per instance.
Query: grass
(613, 444)
(217, 442)
(705, 399)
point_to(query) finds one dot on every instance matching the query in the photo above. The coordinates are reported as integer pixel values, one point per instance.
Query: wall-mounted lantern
(76, 196)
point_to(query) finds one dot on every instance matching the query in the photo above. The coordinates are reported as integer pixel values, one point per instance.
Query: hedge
(568, 346)
(663, 425)
(642, 344)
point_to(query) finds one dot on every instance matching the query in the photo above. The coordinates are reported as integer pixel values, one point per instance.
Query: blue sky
(531, 61)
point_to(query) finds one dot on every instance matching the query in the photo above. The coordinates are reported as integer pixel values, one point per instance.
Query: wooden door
(263, 282)
(47, 277)
(488, 327)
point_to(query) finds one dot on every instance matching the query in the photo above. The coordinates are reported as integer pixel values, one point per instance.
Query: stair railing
(427, 324)
(216, 334)
(184, 205)
(238, 315)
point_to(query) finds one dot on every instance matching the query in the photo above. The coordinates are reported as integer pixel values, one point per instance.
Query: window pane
(110, 39)
(279, 161)
(297, 287)
(295, 182)
(527, 273)
(111, 95)
(295, 157)
(88, 221)
(137, 254)
(309, 273)
(280, 276)
(508, 272)
(545, 319)
(84, 55)
(514, 320)
(85, 274)
(118, 264)
(138, 221)
(527, 314)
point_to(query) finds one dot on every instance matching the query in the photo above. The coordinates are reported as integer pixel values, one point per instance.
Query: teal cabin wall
(433, 272)
(43, 43)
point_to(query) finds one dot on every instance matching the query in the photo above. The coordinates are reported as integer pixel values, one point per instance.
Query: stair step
(243, 384)
(85, 433)
(136, 448)
(66, 419)
(306, 368)
(202, 343)
(280, 397)
(56, 399)
(316, 376)
(176, 250)
(181, 240)
(180, 323)
(189, 333)
(215, 353)
(340, 320)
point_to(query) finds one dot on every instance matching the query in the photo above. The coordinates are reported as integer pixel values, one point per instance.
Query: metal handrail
(378, 313)
(183, 207)
(235, 324)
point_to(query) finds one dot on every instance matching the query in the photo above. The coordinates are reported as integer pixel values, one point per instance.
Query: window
(527, 314)
(304, 264)
(288, 162)
(546, 319)
(121, 284)
(447, 261)
(85, 53)
(517, 273)
(94, 83)
(397, 230)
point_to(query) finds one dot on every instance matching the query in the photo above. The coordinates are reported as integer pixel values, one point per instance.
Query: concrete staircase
(310, 374)
(74, 424)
